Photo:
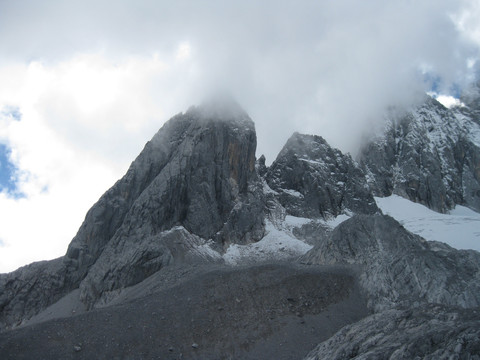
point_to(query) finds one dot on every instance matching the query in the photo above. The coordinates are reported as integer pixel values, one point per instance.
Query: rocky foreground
(150, 272)
(273, 311)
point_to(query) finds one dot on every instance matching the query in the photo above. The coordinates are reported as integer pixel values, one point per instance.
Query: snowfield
(279, 243)
(275, 245)
(460, 228)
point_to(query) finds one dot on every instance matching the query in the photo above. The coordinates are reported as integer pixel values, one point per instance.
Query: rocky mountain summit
(203, 251)
(314, 180)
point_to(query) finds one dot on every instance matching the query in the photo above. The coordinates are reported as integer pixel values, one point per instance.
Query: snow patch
(205, 250)
(294, 221)
(174, 229)
(334, 222)
(267, 189)
(313, 162)
(276, 245)
(459, 229)
(293, 193)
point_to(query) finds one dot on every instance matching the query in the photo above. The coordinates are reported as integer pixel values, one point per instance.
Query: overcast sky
(84, 84)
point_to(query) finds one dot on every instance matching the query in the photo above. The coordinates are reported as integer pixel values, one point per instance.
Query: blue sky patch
(7, 172)
(437, 85)
(455, 90)
(433, 81)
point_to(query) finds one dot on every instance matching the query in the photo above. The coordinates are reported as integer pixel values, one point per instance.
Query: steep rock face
(196, 171)
(428, 332)
(429, 155)
(314, 180)
(197, 174)
(400, 268)
(209, 186)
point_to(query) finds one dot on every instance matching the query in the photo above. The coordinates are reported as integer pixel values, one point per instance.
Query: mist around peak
(221, 106)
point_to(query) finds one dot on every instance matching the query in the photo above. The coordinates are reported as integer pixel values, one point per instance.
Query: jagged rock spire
(316, 180)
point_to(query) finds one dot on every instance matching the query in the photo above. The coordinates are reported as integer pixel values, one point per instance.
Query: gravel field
(267, 311)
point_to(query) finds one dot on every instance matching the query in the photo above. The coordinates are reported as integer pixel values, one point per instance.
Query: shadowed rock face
(316, 180)
(429, 155)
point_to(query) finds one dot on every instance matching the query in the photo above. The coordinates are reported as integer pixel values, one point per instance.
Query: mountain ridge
(196, 196)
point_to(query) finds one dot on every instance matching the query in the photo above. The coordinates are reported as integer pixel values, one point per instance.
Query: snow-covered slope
(459, 228)
(277, 244)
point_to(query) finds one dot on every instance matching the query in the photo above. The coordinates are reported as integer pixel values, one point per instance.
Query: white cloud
(448, 101)
(83, 121)
(184, 51)
(467, 20)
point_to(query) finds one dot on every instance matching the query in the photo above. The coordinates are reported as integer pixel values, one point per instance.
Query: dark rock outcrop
(30, 289)
(429, 155)
(313, 179)
(400, 268)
